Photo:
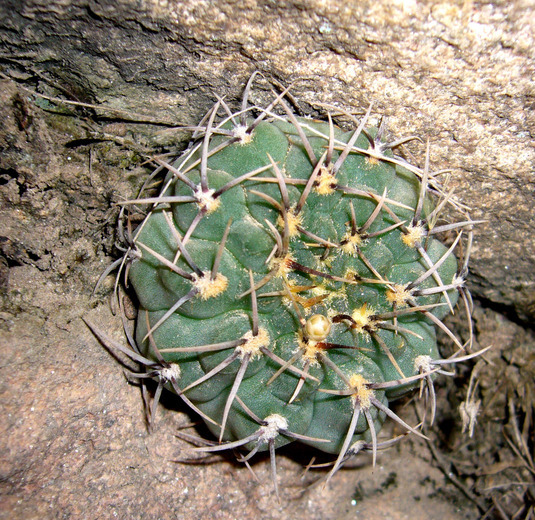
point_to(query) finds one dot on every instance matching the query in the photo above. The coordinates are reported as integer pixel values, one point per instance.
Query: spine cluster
(290, 280)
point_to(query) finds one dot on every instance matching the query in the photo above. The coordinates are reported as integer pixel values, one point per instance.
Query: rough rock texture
(74, 444)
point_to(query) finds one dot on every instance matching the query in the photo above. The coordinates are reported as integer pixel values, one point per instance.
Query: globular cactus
(290, 280)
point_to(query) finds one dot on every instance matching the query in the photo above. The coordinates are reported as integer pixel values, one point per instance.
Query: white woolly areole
(270, 431)
(254, 343)
(206, 199)
(357, 446)
(170, 373)
(423, 363)
(413, 236)
(457, 280)
(240, 132)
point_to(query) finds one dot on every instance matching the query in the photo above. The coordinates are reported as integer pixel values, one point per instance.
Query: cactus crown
(290, 280)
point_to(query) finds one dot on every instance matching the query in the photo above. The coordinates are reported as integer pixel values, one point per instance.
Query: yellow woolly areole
(281, 265)
(371, 160)
(413, 236)
(310, 351)
(317, 327)
(294, 221)
(325, 181)
(399, 295)
(362, 393)
(253, 343)
(209, 288)
(351, 243)
(351, 274)
(361, 317)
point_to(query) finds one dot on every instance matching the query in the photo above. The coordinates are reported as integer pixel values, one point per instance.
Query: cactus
(290, 280)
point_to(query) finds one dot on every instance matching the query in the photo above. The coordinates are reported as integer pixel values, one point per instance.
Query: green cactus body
(289, 272)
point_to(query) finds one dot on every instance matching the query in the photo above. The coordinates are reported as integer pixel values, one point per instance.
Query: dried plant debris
(493, 462)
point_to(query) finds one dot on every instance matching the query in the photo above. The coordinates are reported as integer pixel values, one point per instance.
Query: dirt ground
(73, 439)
